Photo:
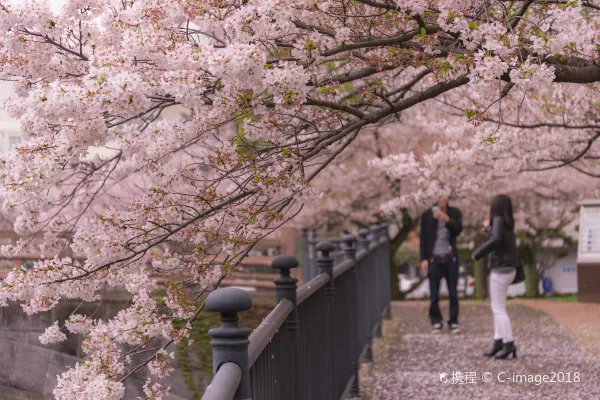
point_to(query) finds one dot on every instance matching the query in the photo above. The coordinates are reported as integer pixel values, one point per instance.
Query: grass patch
(569, 299)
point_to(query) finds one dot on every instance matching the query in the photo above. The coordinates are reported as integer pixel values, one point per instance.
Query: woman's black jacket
(501, 246)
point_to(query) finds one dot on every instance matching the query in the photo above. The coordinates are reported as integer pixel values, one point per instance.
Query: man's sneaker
(454, 328)
(436, 328)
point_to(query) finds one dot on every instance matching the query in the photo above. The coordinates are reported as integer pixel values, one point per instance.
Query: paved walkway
(409, 359)
(582, 320)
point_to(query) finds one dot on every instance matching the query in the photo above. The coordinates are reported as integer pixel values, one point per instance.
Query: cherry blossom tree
(546, 214)
(101, 72)
(353, 193)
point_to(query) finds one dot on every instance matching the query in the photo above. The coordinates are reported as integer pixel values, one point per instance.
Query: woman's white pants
(499, 283)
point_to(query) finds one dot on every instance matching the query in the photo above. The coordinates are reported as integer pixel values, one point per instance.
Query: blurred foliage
(464, 256)
(407, 255)
(195, 360)
(198, 356)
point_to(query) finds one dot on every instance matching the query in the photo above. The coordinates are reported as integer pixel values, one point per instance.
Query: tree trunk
(408, 224)
(532, 278)
(480, 270)
(479, 275)
(532, 281)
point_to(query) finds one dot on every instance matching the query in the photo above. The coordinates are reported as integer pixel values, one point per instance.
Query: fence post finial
(349, 246)
(325, 262)
(285, 285)
(229, 341)
(385, 234)
(375, 230)
(363, 241)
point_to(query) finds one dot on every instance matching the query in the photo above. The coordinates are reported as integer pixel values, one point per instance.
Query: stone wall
(32, 368)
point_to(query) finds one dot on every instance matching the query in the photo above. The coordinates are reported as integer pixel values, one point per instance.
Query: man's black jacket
(429, 226)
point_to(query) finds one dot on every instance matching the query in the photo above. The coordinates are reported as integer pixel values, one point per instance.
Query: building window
(13, 141)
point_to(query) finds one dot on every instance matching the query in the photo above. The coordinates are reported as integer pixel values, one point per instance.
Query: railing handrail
(225, 383)
(317, 241)
(309, 288)
(261, 336)
(348, 298)
(342, 267)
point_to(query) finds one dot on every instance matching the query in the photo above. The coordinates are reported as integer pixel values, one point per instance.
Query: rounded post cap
(284, 262)
(228, 300)
(363, 233)
(325, 247)
(348, 239)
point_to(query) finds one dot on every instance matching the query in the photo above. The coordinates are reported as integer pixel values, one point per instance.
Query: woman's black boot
(508, 349)
(495, 348)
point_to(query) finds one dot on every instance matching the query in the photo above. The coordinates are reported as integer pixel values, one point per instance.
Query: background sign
(589, 233)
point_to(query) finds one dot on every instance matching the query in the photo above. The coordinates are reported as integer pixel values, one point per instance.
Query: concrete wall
(32, 368)
(9, 393)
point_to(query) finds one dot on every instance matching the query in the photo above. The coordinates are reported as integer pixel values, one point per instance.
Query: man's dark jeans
(446, 267)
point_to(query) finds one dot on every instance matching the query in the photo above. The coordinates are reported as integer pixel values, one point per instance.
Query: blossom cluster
(163, 138)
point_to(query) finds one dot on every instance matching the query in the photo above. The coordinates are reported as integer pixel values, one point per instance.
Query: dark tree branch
(564, 163)
(335, 106)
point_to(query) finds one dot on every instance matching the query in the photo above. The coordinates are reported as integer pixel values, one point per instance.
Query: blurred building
(10, 134)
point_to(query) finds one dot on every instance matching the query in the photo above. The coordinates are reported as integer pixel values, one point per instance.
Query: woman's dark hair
(502, 207)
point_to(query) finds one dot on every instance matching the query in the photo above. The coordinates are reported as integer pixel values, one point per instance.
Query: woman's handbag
(520, 275)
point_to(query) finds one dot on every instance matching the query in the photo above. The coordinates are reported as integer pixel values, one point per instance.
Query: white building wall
(8, 139)
(9, 128)
(564, 273)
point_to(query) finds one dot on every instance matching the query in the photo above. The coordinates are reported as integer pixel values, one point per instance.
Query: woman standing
(503, 261)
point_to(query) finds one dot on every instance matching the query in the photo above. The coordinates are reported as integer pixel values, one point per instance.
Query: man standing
(440, 225)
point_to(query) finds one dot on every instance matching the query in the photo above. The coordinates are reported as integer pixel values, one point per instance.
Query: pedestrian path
(411, 363)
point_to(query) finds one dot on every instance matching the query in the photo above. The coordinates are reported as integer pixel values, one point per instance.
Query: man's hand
(425, 266)
(441, 215)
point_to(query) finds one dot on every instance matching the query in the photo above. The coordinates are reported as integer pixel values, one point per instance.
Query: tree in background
(353, 193)
(101, 72)
(547, 213)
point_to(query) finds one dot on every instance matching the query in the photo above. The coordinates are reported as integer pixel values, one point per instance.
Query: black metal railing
(312, 343)
(309, 242)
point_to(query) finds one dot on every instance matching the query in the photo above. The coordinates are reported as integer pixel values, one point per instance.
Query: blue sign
(569, 269)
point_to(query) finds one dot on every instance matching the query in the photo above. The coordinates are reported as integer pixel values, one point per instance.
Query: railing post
(305, 260)
(314, 271)
(378, 282)
(374, 229)
(229, 341)
(285, 288)
(363, 244)
(389, 270)
(325, 264)
(363, 241)
(350, 254)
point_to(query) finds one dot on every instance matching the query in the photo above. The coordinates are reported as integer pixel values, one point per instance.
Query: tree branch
(335, 106)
